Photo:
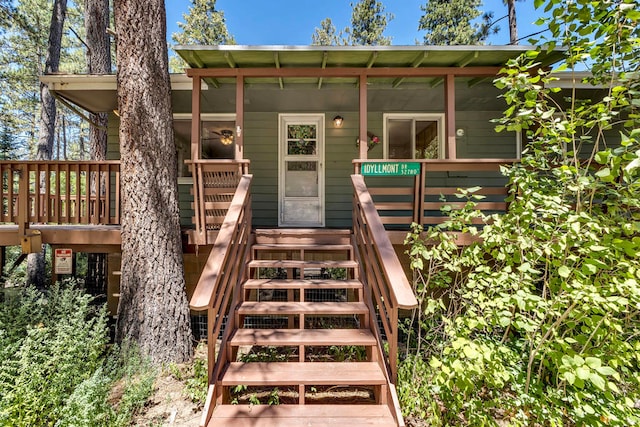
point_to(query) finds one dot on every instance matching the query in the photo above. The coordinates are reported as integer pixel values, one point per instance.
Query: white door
(301, 186)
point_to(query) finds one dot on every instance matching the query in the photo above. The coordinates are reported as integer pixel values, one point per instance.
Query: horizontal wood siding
(340, 150)
(261, 147)
(480, 139)
(113, 138)
(185, 201)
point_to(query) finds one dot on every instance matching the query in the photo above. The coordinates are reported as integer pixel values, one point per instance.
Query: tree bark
(52, 65)
(36, 262)
(96, 22)
(513, 27)
(153, 309)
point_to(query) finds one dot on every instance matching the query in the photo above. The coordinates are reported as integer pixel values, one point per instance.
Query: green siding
(261, 147)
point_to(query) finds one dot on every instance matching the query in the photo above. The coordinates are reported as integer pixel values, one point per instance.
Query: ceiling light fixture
(226, 137)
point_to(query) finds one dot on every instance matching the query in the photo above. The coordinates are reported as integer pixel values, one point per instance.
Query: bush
(538, 322)
(51, 342)
(54, 365)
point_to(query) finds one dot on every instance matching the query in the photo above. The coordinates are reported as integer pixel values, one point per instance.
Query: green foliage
(50, 343)
(23, 44)
(368, 22)
(53, 369)
(450, 22)
(204, 25)
(327, 34)
(196, 379)
(538, 322)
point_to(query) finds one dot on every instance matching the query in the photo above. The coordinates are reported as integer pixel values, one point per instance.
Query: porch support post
(195, 118)
(450, 107)
(239, 131)
(363, 116)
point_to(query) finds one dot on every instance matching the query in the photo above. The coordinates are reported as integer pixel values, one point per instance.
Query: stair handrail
(382, 273)
(218, 288)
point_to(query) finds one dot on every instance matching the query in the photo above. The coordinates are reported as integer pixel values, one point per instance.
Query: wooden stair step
(305, 373)
(249, 308)
(262, 263)
(308, 337)
(303, 236)
(302, 415)
(301, 284)
(296, 247)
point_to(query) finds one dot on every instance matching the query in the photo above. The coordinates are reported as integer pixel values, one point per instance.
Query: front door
(301, 186)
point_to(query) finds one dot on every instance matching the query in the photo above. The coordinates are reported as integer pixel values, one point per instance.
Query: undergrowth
(56, 367)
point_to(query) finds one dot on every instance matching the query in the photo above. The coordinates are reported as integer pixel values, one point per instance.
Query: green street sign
(390, 168)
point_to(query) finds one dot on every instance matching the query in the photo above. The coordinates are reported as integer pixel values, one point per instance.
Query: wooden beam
(468, 59)
(229, 59)
(372, 59)
(436, 82)
(363, 116)
(345, 72)
(276, 58)
(239, 118)
(415, 64)
(477, 81)
(325, 58)
(450, 108)
(195, 118)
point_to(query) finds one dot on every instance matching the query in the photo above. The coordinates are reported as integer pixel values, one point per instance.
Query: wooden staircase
(303, 351)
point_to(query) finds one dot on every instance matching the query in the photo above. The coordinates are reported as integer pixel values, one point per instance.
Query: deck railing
(420, 198)
(214, 186)
(60, 192)
(218, 287)
(386, 284)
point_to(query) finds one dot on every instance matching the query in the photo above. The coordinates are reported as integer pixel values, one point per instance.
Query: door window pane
(301, 179)
(301, 140)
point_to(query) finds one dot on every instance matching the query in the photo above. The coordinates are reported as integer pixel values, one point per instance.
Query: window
(214, 128)
(414, 136)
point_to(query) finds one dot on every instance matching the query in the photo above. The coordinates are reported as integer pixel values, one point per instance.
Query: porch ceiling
(97, 93)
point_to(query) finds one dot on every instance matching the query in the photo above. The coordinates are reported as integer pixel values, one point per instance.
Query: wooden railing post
(385, 282)
(22, 217)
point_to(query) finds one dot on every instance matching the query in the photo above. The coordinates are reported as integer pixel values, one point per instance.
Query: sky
(292, 22)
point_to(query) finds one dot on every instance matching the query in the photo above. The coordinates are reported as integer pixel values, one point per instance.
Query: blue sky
(291, 22)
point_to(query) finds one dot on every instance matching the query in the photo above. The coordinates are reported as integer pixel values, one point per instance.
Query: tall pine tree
(368, 23)
(153, 310)
(204, 25)
(451, 22)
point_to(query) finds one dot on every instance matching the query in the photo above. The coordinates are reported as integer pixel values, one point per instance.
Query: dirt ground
(169, 406)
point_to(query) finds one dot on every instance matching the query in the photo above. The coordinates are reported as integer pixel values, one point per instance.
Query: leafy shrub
(51, 342)
(54, 367)
(538, 322)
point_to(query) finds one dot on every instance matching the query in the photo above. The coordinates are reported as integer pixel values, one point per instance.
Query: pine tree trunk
(153, 309)
(36, 262)
(96, 22)
(513, 27)
(52, 65)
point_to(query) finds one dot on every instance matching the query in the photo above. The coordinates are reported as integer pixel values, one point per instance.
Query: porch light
(226, 137)
(337, 121)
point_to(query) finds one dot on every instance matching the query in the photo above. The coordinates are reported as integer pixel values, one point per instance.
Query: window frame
(437, 117)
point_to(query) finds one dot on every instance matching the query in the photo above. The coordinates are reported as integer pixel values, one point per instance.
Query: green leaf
(570, 377)
(564, 271)
(605, 370)
(593, 362)
(597, 380)
(583, 372)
